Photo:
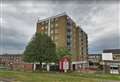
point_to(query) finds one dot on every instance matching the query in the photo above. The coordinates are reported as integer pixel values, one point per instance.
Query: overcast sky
(99, 19)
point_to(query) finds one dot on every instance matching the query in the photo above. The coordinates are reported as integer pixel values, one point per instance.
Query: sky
(99, 19)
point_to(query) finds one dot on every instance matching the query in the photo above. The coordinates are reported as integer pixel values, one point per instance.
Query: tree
(40, 49)
(61, 52)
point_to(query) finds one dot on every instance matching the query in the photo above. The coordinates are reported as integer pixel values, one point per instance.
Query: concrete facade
(112, 66)
(94, 61)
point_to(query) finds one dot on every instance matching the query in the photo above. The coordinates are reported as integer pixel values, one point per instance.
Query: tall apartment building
(66, 34)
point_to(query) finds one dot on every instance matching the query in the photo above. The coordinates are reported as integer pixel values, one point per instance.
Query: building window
(81, 43)
(68, 30)
(82, 53)
(69, 33)
(46, 27)
(68, 40)
(56, 19)
(68, 36)
(46, 21)
(43, 23)
(81, 30)
(56, 25)
(82, 48)
(68, 23)
(68, 43)
(56, 37)
(52, 19)
(42, 28)
(52, 31)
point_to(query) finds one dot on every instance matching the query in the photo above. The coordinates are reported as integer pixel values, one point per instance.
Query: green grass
(56, 77)
(98, 76)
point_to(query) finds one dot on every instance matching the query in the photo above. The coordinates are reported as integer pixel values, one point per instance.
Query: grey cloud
(21, 17)
(106, 42)
(64, 1)
(12, 39)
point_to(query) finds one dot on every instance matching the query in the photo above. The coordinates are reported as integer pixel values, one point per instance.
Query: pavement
(7, 80)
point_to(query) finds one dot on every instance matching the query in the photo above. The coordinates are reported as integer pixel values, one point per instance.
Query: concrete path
(7, 80)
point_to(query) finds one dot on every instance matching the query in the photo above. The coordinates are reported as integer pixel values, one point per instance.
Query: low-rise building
(115, 53)
(111, 61)
(12, 61)
(15, 62)
(94, 61)
(10, 58)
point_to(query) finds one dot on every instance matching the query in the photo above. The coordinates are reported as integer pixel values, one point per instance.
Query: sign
(107, 56)
(65, 64)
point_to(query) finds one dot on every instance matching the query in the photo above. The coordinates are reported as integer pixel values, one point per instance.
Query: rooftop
(58, 15)
(95, 54)
(114, 51)
(10, 54)
(62, 14)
